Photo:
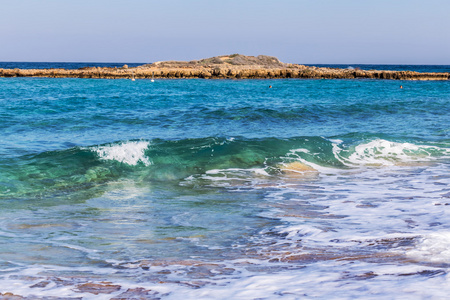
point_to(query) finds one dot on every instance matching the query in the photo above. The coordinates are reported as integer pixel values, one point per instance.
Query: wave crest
(381, 152)
(130, 152)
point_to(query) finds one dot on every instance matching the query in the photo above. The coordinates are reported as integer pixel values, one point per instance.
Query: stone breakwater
(223, 67)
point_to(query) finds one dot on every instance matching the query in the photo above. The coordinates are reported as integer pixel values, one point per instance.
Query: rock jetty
(234, 66)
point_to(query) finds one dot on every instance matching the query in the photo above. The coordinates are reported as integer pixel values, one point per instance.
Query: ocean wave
(206, 161)
(380, 152)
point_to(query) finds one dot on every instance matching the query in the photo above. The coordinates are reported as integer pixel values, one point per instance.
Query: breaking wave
(203, 160)
(380, 152)
(131, 152)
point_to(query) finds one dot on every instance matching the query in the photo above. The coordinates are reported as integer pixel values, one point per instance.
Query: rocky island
(235, 66)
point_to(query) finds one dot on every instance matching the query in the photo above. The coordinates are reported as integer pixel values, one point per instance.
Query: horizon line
(310, 64)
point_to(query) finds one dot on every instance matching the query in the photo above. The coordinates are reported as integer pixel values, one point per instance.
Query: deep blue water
(415, 68)
(227, 189)
(62, 65)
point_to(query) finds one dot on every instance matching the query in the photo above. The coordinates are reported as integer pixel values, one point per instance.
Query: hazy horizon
(304, 32)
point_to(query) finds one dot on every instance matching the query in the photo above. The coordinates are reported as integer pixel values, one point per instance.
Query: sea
(224, 189)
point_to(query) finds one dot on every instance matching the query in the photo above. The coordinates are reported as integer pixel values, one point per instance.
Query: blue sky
(297, 31)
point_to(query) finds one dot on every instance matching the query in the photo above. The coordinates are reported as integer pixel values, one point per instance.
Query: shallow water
(224, 189)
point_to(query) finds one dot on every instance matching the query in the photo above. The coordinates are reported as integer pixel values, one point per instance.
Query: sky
(295, 31)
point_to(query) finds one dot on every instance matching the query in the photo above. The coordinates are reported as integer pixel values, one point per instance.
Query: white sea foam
(301, 231)
(259, 171)
(381, 152)
(300, 150)
(337, 280)
(233, 174)
(130, 153)
(434, 247)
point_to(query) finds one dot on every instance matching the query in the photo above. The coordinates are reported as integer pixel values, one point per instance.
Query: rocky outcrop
(261, 61)
(234, 66)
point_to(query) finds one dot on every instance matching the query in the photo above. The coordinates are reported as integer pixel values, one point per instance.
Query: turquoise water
(224, 189)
